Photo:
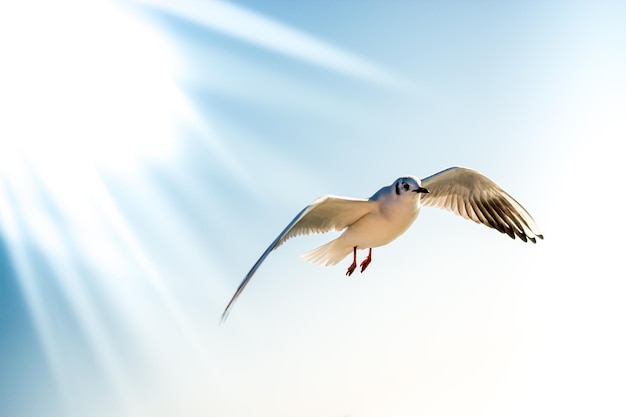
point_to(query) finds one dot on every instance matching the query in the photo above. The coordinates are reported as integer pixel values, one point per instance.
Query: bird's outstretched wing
(323, 215)
(473, 196)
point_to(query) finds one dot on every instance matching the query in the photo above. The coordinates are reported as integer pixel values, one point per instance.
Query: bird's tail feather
(329, 254)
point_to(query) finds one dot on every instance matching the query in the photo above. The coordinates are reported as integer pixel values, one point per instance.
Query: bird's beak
(421, 190)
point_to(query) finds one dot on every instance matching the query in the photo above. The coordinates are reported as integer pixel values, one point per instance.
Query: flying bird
(379, 220)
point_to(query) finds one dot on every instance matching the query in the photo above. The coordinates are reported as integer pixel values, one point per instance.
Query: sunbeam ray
(267, 33)
(23, 263)
(101, 112)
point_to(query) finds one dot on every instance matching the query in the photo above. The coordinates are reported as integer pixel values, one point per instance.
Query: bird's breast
(380, 228)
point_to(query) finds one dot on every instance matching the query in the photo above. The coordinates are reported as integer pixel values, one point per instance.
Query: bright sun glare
(85, 93)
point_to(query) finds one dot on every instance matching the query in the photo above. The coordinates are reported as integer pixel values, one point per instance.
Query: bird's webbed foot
(366, 261)
(351, 269)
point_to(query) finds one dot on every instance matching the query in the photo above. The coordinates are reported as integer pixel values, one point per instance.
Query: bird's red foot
(352, 267)
(366, 261)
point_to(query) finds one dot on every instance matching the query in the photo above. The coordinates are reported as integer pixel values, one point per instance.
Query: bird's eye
(405, 186)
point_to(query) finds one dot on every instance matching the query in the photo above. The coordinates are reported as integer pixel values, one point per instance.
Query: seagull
(379, 220)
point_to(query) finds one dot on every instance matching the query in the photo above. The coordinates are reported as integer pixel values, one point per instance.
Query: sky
(150, 151)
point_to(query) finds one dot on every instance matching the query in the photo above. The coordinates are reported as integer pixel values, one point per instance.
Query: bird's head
(408, 186)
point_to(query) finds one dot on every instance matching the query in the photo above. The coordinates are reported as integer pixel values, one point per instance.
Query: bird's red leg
(366, 261)
(352, 267)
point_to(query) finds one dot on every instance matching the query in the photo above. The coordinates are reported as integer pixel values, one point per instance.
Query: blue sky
(151, 150)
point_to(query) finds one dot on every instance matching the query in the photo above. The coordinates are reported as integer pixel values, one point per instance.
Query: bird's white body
(387, 214)
(382, 226)
(389, 217)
